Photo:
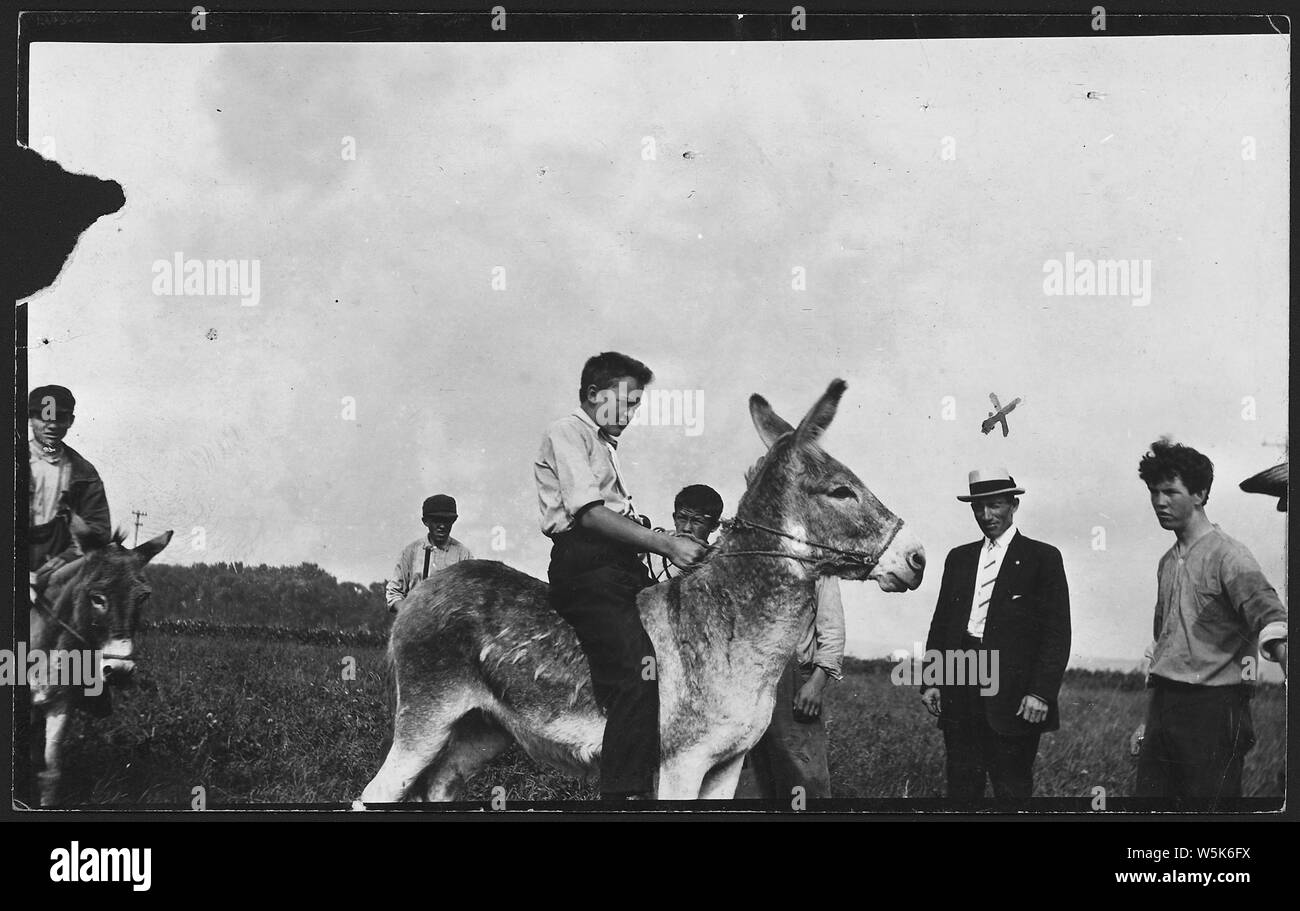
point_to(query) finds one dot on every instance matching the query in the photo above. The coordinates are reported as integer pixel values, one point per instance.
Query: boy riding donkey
(596, 568)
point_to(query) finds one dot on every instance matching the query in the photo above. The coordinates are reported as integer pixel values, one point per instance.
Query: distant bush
(303, 596)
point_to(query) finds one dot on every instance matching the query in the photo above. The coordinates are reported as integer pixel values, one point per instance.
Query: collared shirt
(992, 554)
(577, 467)
(51, 474)
(822, 642)
(409, 571)
(1214, 612)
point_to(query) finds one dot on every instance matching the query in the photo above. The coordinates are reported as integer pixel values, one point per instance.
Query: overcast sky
(921, 187)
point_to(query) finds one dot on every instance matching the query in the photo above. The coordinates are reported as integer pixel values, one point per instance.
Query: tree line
(302, 596)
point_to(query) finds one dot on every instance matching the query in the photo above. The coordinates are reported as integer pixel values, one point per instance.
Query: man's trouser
(792, 752)
(976, 751)
(594, 585)
(1196, 742)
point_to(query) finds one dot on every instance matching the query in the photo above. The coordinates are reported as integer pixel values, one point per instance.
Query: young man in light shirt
(1215, 616)
(596, 569)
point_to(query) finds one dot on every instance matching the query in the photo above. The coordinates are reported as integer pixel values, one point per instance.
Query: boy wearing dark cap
(596, 569)
(425, 556)
(61, 483)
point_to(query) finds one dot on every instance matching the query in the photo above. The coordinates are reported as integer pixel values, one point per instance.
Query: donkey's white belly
(569, 741)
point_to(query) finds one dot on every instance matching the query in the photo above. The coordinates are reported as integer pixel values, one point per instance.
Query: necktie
(987, 574)
(985, 578)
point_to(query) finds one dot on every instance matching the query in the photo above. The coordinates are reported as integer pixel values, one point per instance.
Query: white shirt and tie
(992, 554)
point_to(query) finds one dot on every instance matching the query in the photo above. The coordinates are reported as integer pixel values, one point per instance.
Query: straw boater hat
(991, 482)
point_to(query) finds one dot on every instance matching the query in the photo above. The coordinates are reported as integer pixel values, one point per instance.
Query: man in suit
(1003, 600)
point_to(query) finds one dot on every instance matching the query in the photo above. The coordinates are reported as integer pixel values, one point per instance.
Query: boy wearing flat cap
(61, 483)
(1003, 597)
(425, 556)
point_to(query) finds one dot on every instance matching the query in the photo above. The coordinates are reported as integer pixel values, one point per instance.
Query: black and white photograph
(716, 414)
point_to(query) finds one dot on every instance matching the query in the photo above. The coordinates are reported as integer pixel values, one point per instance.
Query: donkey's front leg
(56, 722)
(680, 777)
(720, 783)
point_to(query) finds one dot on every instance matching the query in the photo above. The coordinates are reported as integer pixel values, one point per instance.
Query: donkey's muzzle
(116, 662)
(902, 566)
(118, 672)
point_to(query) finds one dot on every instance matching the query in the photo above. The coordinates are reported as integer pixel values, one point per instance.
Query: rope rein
(39, 602)
(858, 556)
(864, 558)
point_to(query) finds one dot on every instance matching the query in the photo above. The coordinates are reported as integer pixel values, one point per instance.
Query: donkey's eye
(99, 601)
(842, 493)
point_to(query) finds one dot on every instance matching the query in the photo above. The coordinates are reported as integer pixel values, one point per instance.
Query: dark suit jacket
(1028, 624)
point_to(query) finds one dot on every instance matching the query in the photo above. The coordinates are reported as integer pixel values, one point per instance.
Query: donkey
(90, 608)
(481, 660)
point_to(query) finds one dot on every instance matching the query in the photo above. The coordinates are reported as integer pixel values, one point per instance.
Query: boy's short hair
(602, 370)
(1168, 460)
(699, 497)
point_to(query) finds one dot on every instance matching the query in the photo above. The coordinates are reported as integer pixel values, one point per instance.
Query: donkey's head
(824, 511)
(104, 596)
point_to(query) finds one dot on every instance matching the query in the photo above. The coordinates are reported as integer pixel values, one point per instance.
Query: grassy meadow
(257, 721)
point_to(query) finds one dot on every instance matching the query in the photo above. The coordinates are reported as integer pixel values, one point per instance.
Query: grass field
(256, 722)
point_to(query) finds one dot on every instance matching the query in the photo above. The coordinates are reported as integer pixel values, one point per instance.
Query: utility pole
(138, 516)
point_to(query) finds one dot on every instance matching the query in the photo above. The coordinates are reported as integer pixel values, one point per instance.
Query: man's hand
(685, 553)
(1135, 742)
(1032, 709)
(49, 567)
(930, 698)
(808, 701)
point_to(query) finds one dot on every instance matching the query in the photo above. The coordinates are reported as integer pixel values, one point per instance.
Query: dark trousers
(792, 752)
(976, 751)
(1196, 742)
(594, 585)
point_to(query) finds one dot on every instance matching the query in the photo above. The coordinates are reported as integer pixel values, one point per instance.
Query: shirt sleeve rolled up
(829, 625)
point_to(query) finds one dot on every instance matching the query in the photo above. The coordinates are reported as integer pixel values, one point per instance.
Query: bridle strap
(858, 556)
(40, 603)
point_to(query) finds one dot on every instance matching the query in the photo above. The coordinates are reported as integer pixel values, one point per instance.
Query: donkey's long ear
(819, 417)
(149, 549)
(766, 421)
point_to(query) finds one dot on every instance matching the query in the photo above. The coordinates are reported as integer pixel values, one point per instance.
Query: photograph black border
(325, 22)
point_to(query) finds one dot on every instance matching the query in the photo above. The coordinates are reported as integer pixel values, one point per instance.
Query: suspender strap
(427, 552)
